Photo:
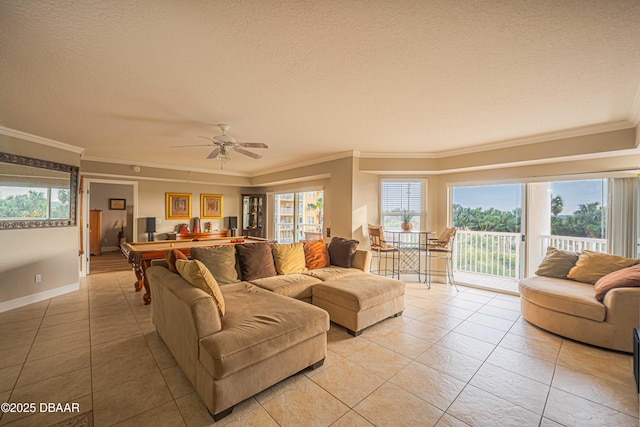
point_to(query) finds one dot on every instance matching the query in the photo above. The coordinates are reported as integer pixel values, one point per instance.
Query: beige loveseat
(570, 308)
(269, 330)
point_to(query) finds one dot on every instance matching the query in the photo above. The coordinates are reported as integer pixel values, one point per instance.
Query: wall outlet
(38, 278)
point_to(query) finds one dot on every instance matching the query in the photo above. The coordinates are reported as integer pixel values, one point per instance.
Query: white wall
(50, 252)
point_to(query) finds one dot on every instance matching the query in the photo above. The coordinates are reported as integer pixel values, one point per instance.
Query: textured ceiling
(129, 80)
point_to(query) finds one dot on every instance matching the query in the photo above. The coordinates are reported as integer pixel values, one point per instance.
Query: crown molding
(336, 156)
(523, 163)
(162, 166)
(543, 137)
(40, 140)
(634, 116)
(110, 176)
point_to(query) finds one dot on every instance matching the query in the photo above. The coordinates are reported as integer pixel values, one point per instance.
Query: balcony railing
(487, 252)
(575, 244)
(499, 254)
(284, 232)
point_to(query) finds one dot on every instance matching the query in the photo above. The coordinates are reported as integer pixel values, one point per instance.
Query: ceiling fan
(224, 144)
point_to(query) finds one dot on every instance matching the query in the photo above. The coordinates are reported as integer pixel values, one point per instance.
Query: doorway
(116, 203)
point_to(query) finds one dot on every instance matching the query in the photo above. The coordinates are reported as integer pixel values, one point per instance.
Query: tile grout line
(26, 357)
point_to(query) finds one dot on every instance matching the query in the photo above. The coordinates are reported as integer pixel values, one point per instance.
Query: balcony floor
(484, 281)
(481, 281)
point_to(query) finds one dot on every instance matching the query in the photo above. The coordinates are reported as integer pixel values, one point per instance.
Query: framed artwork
(178, 205)
(117, 204)
(211, 205)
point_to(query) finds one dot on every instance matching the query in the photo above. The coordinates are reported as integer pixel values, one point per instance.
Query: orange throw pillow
(171, 257)
(626, 278)
(316, 254)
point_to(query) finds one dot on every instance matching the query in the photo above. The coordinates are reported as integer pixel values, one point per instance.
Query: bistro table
(413, 250)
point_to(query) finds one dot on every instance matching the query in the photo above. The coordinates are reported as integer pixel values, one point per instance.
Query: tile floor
(452, 359)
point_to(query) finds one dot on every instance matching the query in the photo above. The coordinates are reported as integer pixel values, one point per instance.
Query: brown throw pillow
(626, 278)
(341, 251)
(557, 263)
(199, 276)
(593, 265)
(256, 261)
(220, 261)
(316, 254)
(171, 257)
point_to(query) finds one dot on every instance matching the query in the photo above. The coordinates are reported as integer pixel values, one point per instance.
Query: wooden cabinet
(253, 214)
(95, 232)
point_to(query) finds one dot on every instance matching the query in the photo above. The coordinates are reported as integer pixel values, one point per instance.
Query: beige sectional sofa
(599, 308)
(270, 328)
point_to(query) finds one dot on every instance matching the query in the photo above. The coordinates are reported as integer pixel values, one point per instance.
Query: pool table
(140, 254)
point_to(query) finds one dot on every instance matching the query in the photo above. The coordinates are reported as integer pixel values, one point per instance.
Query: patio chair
(313, 236)
(382, 248)
(442, 249)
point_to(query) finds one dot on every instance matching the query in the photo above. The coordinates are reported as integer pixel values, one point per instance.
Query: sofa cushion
(564, 296)
(296, 285)
(220, 261)
(259, 324)
(171, 257)
(199, 276)
(557, 263)
(256, 260)
(626, 278)
(332, 272)
(288, 257)
(593, 265)
(341, 251)
(316, 254)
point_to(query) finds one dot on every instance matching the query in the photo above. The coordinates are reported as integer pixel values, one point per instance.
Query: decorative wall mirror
(36, 193)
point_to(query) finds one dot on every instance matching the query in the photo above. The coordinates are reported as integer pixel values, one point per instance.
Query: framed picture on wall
(211, 205)
(178, 205)
(117, 204)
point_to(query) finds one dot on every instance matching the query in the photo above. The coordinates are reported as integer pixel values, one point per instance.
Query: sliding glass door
(490, 229)
(298, 216)
(568, 214)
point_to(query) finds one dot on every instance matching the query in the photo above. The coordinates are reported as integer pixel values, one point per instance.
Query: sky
(507, 197)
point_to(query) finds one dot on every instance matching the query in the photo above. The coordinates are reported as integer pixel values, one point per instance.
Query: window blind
(403, 195)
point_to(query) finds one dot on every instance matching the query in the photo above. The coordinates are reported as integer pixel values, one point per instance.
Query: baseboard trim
(37, 297)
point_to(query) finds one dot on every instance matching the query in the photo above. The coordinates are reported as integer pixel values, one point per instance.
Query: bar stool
(384, 249)
(442, 248)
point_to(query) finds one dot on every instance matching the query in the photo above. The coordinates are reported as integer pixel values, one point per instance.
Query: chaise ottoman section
(358, 301)
(264, 339)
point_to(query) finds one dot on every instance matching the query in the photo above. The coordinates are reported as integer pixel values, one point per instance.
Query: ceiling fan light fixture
(224, 155)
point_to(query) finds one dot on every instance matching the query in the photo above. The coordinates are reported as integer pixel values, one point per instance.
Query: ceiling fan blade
(197, 145)
(246, 152)
(214, 153)
(252, 144)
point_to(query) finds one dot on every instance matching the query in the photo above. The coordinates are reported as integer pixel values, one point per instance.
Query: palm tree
(318, 206)
(556, 205)
(589, 218)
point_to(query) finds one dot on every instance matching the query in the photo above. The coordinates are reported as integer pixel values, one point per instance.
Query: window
(577, 208)
(400, 197)
(488, 207)
(291, 226)
(34, 203)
